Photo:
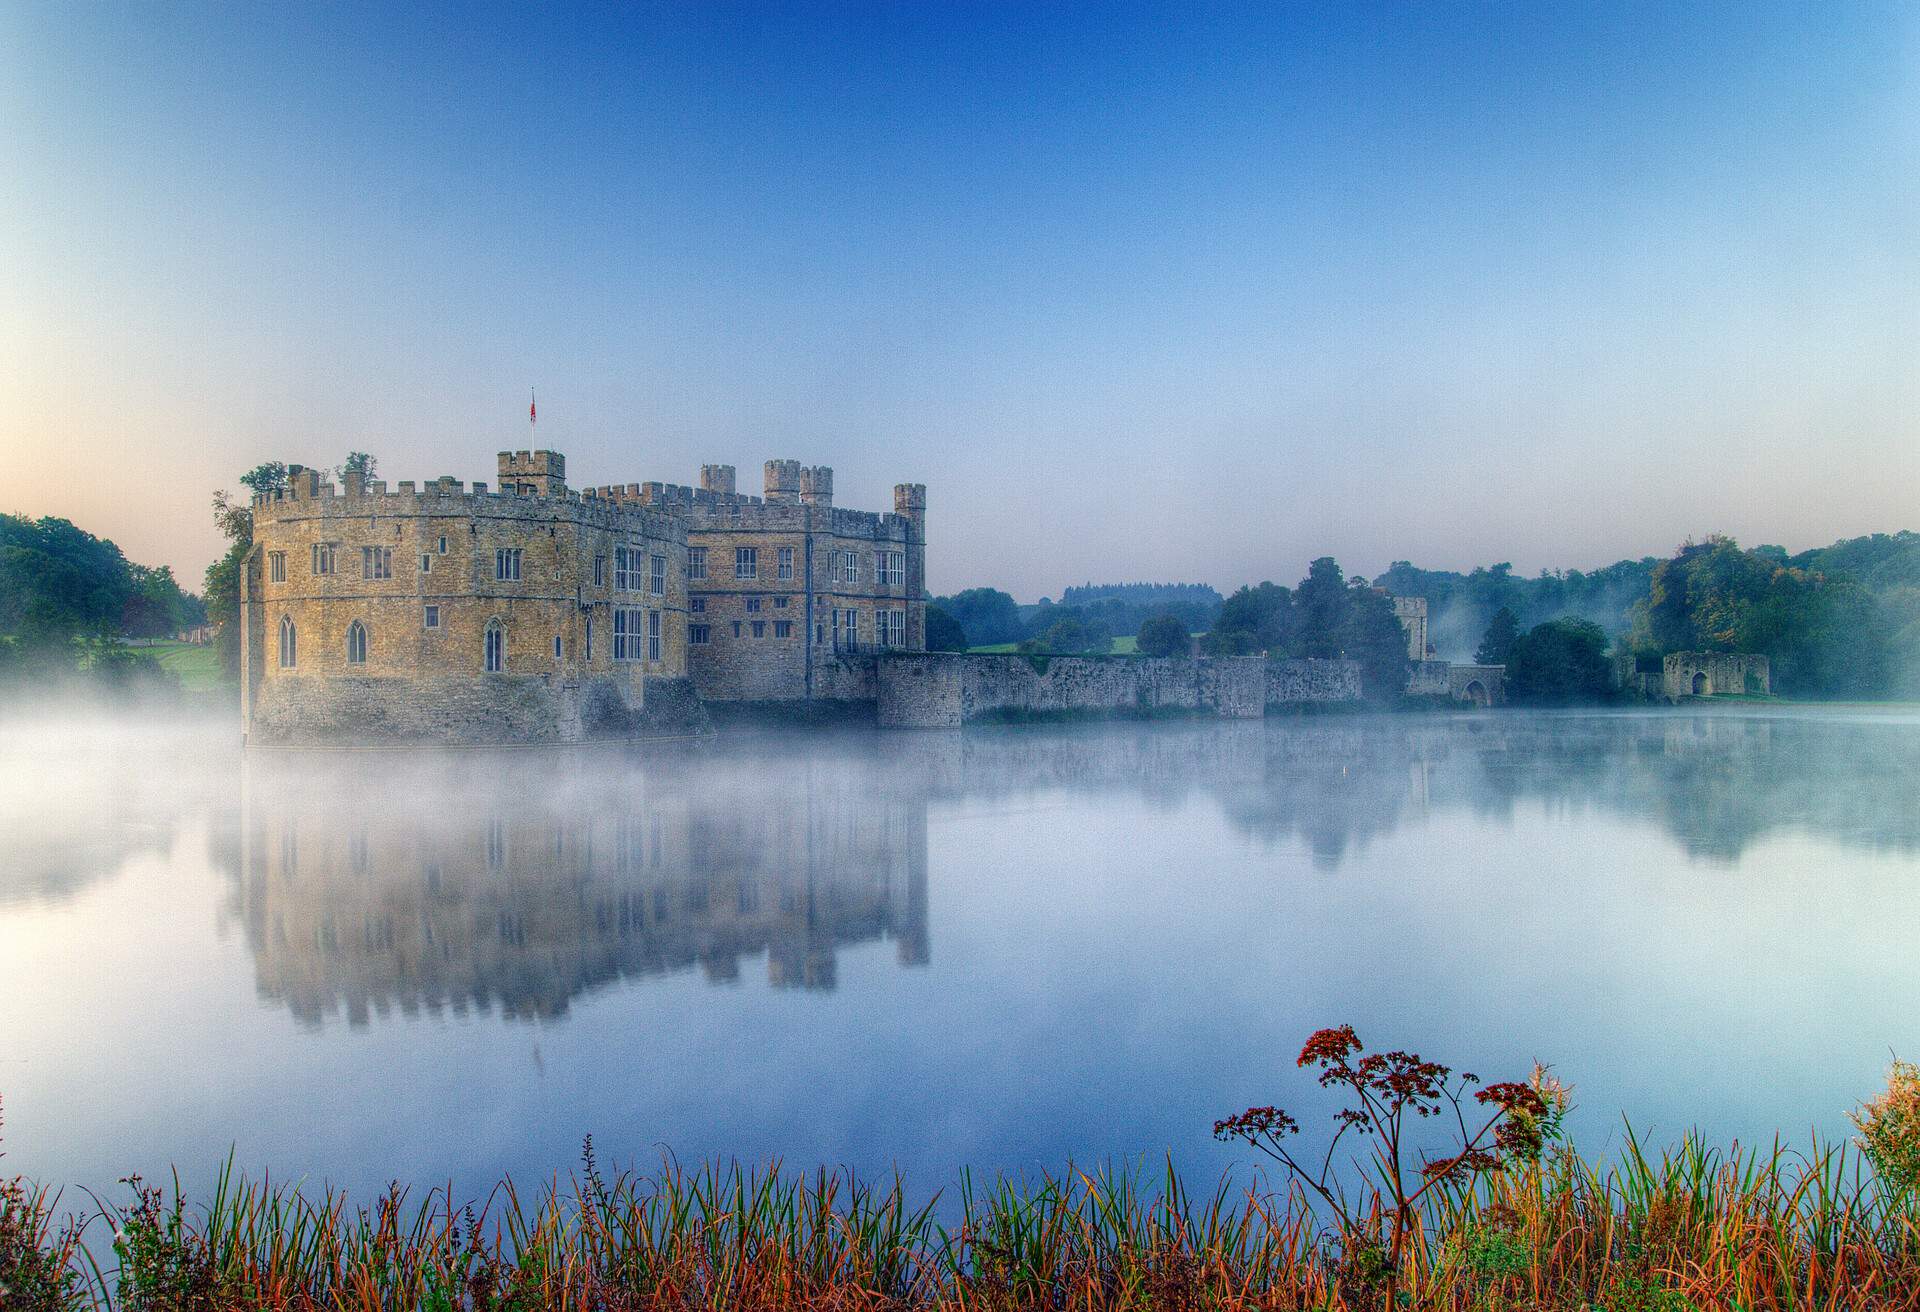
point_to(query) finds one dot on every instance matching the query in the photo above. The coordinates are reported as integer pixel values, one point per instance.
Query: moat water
(1006, 949)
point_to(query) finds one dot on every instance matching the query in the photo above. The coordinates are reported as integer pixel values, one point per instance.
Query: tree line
(69, 600)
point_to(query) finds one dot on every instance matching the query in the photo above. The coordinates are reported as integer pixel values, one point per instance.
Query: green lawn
(1128, 646)
(198, 668)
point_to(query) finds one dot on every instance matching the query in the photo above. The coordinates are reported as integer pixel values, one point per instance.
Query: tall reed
(1689, 1228)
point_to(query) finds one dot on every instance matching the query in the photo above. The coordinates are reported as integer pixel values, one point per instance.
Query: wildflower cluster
(1389, 1093)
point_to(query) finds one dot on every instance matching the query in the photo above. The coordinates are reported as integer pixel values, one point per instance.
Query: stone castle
(534, 612)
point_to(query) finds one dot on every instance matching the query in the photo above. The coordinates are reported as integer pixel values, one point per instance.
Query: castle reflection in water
(564, 871)
(515, 882)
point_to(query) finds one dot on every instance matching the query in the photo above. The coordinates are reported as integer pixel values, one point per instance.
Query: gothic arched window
(356, 643)
(496, 646)
(288, 643)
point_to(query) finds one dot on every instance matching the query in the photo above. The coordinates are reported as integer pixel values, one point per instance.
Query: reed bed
(1688, 1228)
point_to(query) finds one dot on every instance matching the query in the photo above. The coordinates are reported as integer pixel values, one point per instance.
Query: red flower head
(1330, 1047)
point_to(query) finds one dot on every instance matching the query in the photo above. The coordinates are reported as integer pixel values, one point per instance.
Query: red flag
(533, 415)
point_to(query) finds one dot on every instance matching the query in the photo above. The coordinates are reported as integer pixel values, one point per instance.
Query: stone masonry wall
(1295, 682)
(1716, 674)
(426, 605)
(946, 689)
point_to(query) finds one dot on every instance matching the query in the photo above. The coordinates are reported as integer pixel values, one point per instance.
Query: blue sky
(1179, 293)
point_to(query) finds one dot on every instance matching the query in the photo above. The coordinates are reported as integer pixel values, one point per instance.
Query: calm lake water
(1004, 948)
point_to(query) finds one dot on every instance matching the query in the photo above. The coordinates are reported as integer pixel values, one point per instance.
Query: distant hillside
(1121, 608)
(1163, 595)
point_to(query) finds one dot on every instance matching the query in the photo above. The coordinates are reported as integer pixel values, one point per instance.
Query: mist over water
(998, 949)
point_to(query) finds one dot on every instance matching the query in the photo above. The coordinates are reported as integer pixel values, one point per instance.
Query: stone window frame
(783, 628)
(656, 576)
(753, 605)
(376, 562)
(746, 562)
(850, 626)
(589, 652)
(430, 618)
(697, 605)
(426, 563)
(494, 646)
(276, 567)
(696, 562)
(357, 643)
(323, 559)
(506, 564)
(443, 544)
(780, 603)
(599, 571)
(289, 643)
(654, 631)
(559, 648)
(699, 635)
(629, 634)
(783, 569)
(759, 628)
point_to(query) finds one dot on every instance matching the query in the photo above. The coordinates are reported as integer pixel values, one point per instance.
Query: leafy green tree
(156, 606)
(988, 615)
(265, 478)
(58, 583)
(1067, 636)
(1825, 635)
(1164, 635)
(234, 519)
(944, 632)
(1251, 621)
(1370, 633)
(1320, 606)
(1561, 661)
(1496, 647)
(359, 462)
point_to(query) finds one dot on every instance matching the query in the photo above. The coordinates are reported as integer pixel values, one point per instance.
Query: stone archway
(1701, 687)
(1476, 692)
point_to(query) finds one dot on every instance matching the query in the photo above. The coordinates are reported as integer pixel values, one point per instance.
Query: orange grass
(1690, 1228)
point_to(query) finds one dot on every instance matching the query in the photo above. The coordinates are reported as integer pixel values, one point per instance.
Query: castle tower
(816, 485)
(717, 479)
(782, 482)
(910, 500)
(533, 473)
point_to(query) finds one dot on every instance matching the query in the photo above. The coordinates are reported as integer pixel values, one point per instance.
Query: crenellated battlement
(310, 494)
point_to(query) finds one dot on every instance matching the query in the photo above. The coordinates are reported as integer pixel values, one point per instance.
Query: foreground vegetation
(1507, 1217)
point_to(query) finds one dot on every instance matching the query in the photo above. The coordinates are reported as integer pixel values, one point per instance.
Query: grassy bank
(197, 667)
(1128, 645)
(1690, 1229)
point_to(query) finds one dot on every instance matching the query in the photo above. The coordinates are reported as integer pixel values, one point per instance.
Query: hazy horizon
(1190, 298)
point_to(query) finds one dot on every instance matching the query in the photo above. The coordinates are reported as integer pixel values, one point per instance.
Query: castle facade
(536, 613)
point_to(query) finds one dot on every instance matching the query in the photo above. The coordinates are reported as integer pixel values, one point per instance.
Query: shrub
(1164, 635)
(1890, 1129)
(38, 1270)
